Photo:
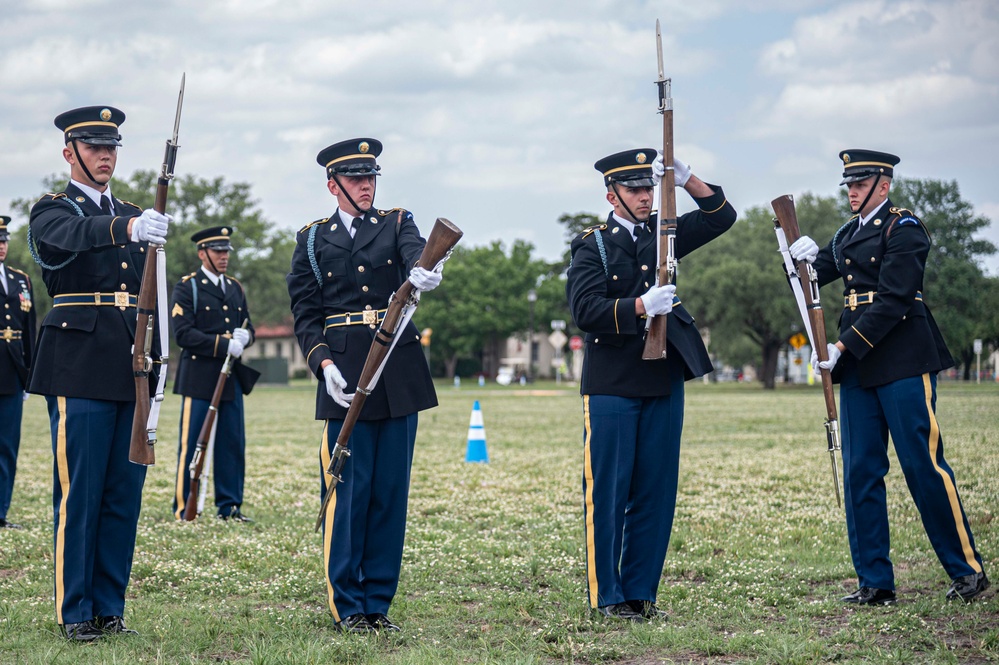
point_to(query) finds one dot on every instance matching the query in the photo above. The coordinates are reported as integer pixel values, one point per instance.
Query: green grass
(493, 569)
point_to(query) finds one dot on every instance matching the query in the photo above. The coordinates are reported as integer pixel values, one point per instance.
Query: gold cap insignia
(846, 158)
(225, 232)
(641, 158)
(363, 147)
(105, 114)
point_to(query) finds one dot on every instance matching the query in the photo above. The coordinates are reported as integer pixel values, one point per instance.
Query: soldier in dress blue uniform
(92, 249)
(17, 334)
(633, 408)
(345, 268)
(209, 308)
(886, 362)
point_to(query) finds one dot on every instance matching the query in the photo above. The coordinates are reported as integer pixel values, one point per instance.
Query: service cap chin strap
(867, 198)
(83, 164)
(620, 198)
(343, 189)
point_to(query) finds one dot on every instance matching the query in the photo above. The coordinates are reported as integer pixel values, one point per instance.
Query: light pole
(532, 297)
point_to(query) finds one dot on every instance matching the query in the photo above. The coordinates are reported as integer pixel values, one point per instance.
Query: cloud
(493, 113)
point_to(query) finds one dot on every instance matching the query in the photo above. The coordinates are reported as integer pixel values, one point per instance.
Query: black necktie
(354, 225)
(638, 231)
(106, 205)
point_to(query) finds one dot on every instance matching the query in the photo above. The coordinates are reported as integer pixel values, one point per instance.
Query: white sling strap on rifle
(164, 330)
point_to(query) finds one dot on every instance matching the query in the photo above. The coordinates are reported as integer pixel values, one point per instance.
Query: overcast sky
(493, 112)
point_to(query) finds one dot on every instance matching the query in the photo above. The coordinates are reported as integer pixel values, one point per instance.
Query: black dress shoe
(622, 611)
(85, 631)
(113, 626)
(648, 610)
(234, 515)
(968, 587)
(4, 524)
(382, 622)
(355, 623)
(866, 595)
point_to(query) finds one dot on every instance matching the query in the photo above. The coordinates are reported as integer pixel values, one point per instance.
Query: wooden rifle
(196, 469)
(153, 289)
(401, 306)
(805, 283)
(655, 330)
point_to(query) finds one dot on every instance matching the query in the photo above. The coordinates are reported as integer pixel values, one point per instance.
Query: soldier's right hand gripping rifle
(151, 307)
(655, 333)
(805, 285)
(401, 306)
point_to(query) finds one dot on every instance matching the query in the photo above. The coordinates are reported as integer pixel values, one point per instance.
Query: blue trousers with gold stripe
(365, 521)
(11, 408)
(96, 497)
(229, 454)
(906, 410)
(631, 462)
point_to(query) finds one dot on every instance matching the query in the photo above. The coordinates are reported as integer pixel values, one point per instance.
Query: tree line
(734, 286)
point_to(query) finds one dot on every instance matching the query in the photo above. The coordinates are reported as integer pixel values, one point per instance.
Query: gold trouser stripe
(185, 430)
(324, 456)
(62, 466)
(617, 328)
(955, 505)
(591, 553)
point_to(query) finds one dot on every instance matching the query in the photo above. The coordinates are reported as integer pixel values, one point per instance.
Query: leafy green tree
(481, 301)
(262, 256)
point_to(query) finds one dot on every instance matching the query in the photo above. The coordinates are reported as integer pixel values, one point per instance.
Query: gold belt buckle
(8, 334)
(370, 317)
(851, 301)
(121, 299)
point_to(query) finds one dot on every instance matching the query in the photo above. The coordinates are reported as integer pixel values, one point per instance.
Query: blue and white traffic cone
(476, 437)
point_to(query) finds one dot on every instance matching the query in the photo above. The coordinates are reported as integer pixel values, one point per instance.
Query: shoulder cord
(311, 244)
(835, 242)
(194, 293)
(34, 251)
(602, 250)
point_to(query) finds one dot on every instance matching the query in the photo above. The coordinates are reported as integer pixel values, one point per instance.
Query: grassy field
(493, 569)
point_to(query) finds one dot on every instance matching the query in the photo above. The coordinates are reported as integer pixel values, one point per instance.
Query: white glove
(241, 335)
(26, 396)
(659, 300)
(235, 347)
(423, 279)
(335, 384)
(681, 172)
(804, 249)
(151, 226)
(817, 367)
(658, 168)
